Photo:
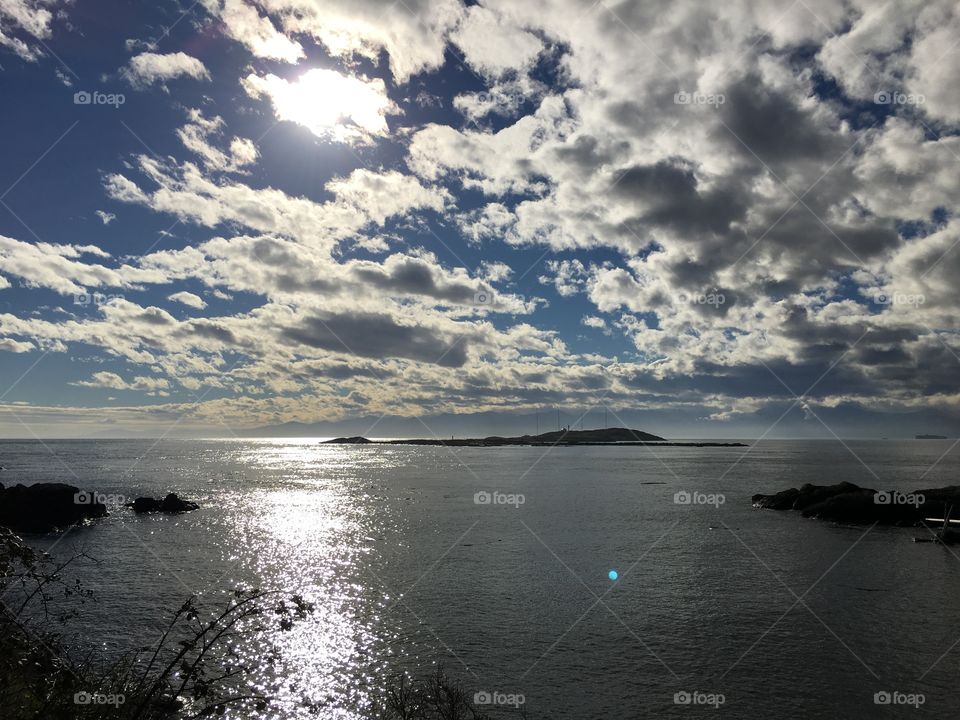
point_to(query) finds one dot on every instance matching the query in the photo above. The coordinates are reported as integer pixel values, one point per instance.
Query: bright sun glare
(329, 104)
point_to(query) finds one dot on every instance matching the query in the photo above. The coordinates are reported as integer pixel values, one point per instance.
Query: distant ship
(931, 437)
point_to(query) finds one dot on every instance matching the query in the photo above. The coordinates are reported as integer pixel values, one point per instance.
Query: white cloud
(105, 217)
(148, 68)
(495, 271)
(199, 134)
(188, 299)
(15, 346)
(115, 382)
(413, 32)
(188, 194)
(62, 268)
(493, 45)
(244, 23)
(25, 17)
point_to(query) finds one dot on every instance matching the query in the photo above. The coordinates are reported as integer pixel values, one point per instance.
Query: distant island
(605, 436)
(931, 437)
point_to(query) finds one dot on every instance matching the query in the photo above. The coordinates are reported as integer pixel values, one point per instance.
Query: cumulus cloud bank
(746, 197)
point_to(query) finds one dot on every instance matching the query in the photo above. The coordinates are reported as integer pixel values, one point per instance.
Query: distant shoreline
(472, 442)
(617, 437)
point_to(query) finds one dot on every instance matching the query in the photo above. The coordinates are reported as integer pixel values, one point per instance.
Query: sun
(330, 105)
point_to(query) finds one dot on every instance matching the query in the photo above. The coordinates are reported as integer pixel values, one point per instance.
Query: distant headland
(605, 436)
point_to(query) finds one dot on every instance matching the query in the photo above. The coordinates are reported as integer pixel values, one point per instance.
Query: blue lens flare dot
(613, 575)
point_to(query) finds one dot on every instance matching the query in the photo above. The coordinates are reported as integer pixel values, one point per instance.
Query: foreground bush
(190, 672)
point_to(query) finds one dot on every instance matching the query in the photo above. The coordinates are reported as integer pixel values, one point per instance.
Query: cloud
(115, 382)
(375, 335)
(412, 33)
(331, 105)
(149, 68)
(494, 45)
(105, 217)
(245, 24)
(188, 299)
(198, 136)
(15, 346)
(187, 193)
(25, 18)
(62, 268)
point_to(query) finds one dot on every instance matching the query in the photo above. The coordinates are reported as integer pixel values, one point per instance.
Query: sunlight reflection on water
(311, 537)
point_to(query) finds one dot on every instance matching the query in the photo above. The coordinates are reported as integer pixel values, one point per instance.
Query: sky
(715, 219)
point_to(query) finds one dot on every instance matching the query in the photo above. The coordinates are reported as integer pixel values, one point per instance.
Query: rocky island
(604, 436)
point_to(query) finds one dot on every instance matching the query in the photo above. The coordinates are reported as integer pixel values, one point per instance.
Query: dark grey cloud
(760, 122)
(413, 276)
(211, 331)
(379, 336)
(668, 192)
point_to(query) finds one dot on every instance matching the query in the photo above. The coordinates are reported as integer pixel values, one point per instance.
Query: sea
(567, 582)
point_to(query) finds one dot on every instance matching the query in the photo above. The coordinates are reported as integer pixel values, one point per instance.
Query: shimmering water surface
(784, 617)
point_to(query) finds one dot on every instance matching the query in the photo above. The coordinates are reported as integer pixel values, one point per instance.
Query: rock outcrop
(849, 503)
(44, 507)
(170, 504)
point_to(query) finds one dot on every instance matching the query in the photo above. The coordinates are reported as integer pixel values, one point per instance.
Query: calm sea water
(783, 617)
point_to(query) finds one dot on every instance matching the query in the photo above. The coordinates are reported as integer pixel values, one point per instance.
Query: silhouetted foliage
(192, 671)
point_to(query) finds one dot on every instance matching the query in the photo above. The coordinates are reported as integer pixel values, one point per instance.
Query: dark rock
(46, 506)
(170, 504)
(355, 440)
(145, 505)
(783, 500)
(815, 494)
(860, 507)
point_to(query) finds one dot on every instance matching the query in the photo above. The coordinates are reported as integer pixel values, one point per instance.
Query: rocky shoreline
(848, 503)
